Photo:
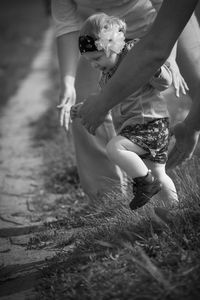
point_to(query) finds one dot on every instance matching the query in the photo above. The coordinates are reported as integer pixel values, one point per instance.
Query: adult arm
(178, 81)
(141, 62)
(68, 56)
(67, 23)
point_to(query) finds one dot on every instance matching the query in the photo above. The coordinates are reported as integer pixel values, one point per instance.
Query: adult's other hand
(186, 141)
(67, 99)
(178, 81)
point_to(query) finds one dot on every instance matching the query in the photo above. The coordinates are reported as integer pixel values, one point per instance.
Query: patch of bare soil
(21, 179)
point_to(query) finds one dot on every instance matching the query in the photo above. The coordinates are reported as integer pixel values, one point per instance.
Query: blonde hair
(95, 23)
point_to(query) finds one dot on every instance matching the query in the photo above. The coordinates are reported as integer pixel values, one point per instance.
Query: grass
(108, 252)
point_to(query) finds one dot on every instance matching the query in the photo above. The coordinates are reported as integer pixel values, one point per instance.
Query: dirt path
(20, 177)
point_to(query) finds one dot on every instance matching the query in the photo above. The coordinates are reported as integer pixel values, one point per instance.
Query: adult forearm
(150, 53)
(68, 56)
(172, 56)
(134, 72)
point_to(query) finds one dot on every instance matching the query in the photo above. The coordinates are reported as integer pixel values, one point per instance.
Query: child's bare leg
(125, 153)
(168, 194)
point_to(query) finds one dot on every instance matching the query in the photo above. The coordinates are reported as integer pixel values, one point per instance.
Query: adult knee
(110, 149)
(113, 147)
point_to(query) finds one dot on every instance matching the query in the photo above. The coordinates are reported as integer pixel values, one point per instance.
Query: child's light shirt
(69, 15)
(146, 104)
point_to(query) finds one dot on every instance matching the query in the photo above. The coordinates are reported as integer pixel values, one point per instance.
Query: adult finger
(183, 86)
(176, 86)
(66, 119)
(63, 102)
(186, 87)
(62, 112)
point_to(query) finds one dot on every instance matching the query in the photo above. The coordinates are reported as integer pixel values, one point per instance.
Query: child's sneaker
(146, 187)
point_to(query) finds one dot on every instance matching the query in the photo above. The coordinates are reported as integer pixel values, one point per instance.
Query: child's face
(99, 60)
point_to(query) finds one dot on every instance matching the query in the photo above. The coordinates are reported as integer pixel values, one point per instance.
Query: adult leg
(188, 54)
(97, 173)
(188, 59)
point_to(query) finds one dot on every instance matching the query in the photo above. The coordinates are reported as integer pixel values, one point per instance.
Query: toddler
(141, 121)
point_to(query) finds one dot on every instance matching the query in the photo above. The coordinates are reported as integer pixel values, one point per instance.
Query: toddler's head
(101, 39)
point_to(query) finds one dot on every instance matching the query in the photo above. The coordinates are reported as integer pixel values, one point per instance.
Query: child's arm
(162, 79)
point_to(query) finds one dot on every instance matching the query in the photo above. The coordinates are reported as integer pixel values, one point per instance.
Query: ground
(21, 169)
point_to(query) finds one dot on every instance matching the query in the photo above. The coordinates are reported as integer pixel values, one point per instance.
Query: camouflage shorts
(153, 137)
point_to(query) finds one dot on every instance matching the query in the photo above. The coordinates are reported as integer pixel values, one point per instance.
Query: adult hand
(186, 141)
(177, 80)
(92, 113)
(74, 112)
(67, 99)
